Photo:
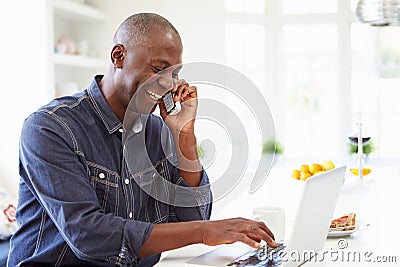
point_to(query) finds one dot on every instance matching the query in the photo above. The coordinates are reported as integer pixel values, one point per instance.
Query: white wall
(23, 77)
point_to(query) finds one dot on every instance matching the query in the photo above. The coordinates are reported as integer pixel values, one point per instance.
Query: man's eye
(157, 70)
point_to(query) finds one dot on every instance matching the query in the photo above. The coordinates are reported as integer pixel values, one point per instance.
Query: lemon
(304, 168)
(328, 165)
(365, 171)
(296, 174)
(314, 168)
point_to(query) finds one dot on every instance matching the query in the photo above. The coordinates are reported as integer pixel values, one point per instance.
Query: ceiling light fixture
(379, 12)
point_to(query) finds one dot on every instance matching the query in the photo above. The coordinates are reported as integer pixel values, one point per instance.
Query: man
(79, 201)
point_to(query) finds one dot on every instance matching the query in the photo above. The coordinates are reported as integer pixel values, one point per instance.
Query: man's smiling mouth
(153, 95)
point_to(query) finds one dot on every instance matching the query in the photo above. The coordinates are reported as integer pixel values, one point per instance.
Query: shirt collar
(101, 106)
(137, 125)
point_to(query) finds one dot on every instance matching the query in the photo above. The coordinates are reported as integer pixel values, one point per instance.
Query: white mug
(274, 218)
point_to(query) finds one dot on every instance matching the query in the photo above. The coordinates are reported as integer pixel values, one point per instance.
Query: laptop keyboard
(264, 256)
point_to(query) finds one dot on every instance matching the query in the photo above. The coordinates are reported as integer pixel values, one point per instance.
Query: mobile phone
(171, 106)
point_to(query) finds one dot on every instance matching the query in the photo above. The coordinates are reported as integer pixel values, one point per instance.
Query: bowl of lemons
(308, 170)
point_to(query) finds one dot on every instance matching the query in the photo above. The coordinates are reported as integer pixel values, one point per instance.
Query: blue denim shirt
(79, 204)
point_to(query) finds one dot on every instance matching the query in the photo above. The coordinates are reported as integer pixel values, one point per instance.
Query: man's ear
(118, 55)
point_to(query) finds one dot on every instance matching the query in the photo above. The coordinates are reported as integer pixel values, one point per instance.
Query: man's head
(144, 44)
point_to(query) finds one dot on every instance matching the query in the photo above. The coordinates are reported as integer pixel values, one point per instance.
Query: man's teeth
(154, 96)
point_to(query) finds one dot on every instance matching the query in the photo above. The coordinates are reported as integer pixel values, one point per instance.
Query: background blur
(316, 65)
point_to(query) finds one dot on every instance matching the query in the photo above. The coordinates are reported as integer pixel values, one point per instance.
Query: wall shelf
(77, 12)
(79, 61)
(71, 24)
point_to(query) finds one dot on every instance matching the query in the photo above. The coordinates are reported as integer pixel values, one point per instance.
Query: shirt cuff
(196, 201)
(135, 234)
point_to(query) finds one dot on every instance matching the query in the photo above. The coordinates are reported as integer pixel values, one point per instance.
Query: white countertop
(375, 202)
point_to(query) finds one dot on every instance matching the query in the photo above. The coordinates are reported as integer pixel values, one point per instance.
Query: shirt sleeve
(54, 170)
(202, 195)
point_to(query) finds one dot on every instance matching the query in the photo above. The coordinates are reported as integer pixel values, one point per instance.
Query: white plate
(360, 225)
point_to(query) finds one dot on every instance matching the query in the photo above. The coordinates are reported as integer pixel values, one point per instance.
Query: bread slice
(345, 223)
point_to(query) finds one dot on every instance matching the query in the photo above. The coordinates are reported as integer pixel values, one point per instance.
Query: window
(318, 69)
(375, 82)
(309, 6)
(245, 6)
(246, 50)
(310, 89)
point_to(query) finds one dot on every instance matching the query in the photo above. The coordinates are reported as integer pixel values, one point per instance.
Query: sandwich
(345, 223)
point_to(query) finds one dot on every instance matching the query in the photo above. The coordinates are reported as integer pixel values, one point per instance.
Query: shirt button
(126, 181)
(120, 130)
(102, 175)
(130, 215)
(154, 175)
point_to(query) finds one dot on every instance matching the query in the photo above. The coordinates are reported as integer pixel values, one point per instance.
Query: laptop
(314, 214)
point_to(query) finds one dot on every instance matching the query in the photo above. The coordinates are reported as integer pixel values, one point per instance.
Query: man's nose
(166, 82)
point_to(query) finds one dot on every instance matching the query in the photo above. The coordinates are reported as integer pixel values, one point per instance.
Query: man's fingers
(189, 91)
(257, 233)
(163, 109)
(266, 229)
(241, 230)
(178, 89)
(183, 90)
(266, 238)
(247, 240)
(255, 225)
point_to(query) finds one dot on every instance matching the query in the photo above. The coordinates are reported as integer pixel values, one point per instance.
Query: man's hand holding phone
(184, 97)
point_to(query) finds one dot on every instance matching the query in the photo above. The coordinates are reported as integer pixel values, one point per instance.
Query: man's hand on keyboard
(239, 229)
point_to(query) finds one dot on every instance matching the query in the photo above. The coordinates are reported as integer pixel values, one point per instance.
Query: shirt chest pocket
(106, 184)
